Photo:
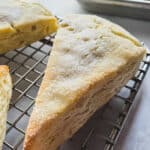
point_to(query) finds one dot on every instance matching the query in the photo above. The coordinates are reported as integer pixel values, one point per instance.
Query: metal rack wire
(27, 68)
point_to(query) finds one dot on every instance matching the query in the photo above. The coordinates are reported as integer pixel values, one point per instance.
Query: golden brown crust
(5, 95)
(80, 78)
(4, 70)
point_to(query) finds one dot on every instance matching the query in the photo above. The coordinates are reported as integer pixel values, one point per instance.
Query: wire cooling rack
(27, 67)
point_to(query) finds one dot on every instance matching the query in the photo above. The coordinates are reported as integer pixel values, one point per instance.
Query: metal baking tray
(130, 8)
(102, 131)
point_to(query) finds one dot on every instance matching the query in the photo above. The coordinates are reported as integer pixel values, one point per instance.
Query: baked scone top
(86, 49)
(14, 14)
(88, 53)
(86, 44)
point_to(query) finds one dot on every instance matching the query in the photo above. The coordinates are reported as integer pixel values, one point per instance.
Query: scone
(5, 95)
(91, 59)
(22, 23)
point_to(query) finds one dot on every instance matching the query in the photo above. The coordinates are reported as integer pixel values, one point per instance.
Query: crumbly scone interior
(20, 17)
(27, 23)
(5, 95)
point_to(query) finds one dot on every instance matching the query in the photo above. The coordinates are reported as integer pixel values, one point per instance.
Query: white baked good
(91, 59)
(5, 95)
(22, 23)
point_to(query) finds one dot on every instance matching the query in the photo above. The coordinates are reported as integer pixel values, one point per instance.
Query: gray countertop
(136, 134)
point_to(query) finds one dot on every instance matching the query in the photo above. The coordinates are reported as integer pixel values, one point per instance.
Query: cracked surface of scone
(22, 23)
(92, 58)
(5, 95)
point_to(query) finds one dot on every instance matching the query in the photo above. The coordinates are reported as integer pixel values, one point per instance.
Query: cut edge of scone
(5, 96)
(24, 30)
(49, 131)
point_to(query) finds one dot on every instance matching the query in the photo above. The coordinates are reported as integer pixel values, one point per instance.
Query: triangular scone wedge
(5, 95)
(91, 59)
(22, 23)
